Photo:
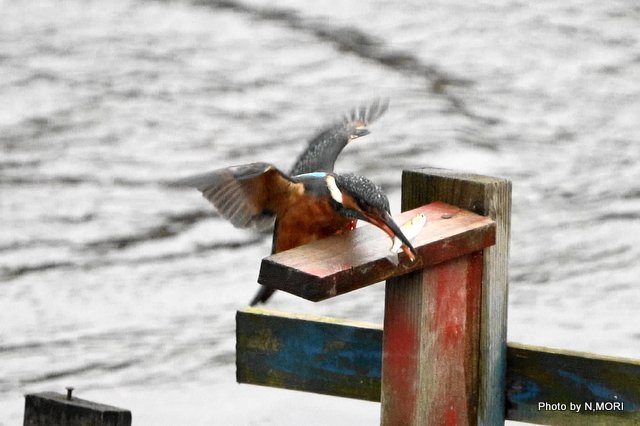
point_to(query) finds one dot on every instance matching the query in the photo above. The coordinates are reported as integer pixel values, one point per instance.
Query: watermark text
(577, 407)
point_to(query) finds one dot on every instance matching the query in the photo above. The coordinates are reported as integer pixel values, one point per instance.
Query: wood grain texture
(430, 345)
(308, 353)
(51, 408)
(491, 197)
(544, 383)
(343, 263)
(336, 357)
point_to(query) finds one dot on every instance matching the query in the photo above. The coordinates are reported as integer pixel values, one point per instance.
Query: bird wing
(323, 150)
(248, 195)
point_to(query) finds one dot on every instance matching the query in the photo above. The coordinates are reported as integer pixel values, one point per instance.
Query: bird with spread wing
(309, 203)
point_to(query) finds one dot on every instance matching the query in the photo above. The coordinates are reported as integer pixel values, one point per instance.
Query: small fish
(411, 229)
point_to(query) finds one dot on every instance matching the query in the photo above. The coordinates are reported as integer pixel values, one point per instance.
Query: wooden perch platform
(344, 263)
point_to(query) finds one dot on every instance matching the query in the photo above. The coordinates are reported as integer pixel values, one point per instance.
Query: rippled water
(117, 283)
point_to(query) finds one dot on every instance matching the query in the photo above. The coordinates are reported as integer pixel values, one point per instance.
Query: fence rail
(344, 358)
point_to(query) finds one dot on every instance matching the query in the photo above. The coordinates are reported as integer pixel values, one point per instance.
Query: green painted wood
(487, 196)
(548, 386)
(51, 408)
(308, 353)
(335, 357)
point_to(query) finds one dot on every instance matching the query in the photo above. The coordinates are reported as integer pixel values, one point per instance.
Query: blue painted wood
(309, 353)
(343, 358)
(549, 386)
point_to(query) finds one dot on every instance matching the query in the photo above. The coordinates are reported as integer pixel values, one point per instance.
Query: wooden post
(442, 362)
(50, 408)
(437, 311)
(430, 345)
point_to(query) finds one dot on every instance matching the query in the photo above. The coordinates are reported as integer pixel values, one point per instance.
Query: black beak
(385, 222)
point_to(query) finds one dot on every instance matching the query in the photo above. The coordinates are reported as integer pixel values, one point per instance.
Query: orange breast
(306, 220)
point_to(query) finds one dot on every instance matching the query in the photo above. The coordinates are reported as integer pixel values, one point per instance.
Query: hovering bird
(311, 202)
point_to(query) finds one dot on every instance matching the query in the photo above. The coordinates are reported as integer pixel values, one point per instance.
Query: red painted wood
(400, 356)
(431, 345)
(343, 263)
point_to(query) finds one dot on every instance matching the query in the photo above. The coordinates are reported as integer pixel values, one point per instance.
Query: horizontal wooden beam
(343, 263)
(343, 358)
(549, 386)
(308, 353)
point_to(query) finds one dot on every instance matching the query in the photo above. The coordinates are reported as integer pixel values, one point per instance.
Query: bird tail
(263, 294)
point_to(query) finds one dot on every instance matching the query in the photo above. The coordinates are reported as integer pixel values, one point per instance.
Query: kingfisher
(309, 203)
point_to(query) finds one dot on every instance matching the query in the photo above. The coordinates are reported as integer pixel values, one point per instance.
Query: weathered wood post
(444, 361)
(51, 408)
(444, 344)
(437, 309)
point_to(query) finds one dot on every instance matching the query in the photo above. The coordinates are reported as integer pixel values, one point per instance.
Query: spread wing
(248, 195)
(324, 148)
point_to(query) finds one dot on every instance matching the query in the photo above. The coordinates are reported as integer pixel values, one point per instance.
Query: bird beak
(385, 222)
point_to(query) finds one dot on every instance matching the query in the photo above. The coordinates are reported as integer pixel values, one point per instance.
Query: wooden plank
(51, 408)
(344, 358)
(491, 197)
(430, 345)
(344, 263)
(548, 386)
(308, 353)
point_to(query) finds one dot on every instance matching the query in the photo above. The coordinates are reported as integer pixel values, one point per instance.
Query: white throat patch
(333, 188)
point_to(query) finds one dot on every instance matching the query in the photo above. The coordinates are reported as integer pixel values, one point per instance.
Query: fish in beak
(384, 221)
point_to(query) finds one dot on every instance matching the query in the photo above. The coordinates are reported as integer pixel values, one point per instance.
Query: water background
(125, 287)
